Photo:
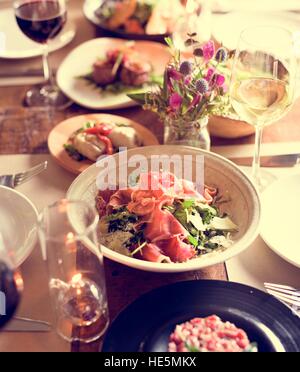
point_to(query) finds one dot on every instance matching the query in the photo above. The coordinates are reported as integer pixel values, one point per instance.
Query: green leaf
(192, 349)
(165, 85)
(169, 42)
(140, 98)
(193, 241)
(188, 204)
(252, 348)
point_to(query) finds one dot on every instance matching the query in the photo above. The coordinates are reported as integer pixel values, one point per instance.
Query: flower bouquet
(192, 90)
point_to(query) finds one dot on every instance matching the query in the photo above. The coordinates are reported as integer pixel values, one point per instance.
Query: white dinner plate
(80, 61)
(18, 218)
(280, 227)
(227, 28)
(18, 46)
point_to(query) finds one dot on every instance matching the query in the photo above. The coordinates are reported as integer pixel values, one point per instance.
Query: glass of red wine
(11, 284)
(42, 21)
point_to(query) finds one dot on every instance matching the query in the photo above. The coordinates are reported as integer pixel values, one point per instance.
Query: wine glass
(69, 241)
(42, 21)
(11, 284)
(263, 83)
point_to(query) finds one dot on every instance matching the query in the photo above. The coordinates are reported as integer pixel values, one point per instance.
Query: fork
(286, 294)
(18, 179)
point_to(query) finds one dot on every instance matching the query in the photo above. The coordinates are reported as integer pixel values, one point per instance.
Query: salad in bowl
(163, 219)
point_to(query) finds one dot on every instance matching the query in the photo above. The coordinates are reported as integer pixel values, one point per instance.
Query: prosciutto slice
(163, 226)
(152, 253)
(177, 250)
(209, 194)
(102, 200)
(189, 191)
(119, 199)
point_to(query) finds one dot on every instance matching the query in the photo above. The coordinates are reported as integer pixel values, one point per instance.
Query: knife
(26, 325)
(275, 161)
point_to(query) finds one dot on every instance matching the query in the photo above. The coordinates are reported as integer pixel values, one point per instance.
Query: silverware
(18, 324)
(286, 294)
(276, 161)
(13, 181)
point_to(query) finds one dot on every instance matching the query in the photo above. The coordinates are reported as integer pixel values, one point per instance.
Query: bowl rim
(197, 263)
(28, 246)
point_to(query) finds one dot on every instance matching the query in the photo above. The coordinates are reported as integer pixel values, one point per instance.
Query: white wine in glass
(263, 82)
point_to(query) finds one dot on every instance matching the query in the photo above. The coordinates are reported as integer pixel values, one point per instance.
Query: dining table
(23, 142)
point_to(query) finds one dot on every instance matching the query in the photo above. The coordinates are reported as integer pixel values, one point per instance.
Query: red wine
(41, 20)
(9, 294)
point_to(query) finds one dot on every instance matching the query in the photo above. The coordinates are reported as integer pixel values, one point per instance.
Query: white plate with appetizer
(109, 69)
(280, 230)
(18, 221)
(135, 19)
(78, 142)
(175, 229)
(18, 46)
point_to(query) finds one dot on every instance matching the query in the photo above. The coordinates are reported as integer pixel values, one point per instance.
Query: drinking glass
(68, 236)
(263, 83)
(41, 21)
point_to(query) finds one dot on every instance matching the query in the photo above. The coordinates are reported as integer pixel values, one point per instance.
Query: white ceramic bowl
(18, 219)
(243, 205)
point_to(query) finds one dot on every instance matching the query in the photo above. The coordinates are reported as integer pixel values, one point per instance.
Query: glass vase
(181, 132)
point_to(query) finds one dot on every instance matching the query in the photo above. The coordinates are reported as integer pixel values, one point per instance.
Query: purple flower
(186, 68)
(209, 51)
(175, 101)
(221, 55)
(202, 86)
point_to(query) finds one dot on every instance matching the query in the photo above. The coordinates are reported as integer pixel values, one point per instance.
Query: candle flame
(77, 278)
(19, 281)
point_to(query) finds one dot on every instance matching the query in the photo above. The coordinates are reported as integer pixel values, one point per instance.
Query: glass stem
(256, 160)
(46, 66)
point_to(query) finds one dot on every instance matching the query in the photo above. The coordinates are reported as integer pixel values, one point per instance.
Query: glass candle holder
(68, 236)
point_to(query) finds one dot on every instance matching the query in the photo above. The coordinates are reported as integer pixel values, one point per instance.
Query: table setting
(149, 176)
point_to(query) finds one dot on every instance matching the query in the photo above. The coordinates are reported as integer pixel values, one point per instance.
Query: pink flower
(210, 73)
(196, 100)
(174, 74)
(220, 80)
(176, 101)
(225, 88)
(188, 80)
(209, 51)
